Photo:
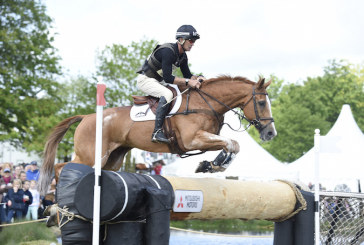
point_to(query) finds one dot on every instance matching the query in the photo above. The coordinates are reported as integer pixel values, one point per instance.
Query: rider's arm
(185, 69)
(167, 61)
(190, 82)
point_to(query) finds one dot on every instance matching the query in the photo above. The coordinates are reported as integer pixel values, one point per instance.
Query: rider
(156, 74)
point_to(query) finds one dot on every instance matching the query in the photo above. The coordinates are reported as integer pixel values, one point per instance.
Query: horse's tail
(50, 150)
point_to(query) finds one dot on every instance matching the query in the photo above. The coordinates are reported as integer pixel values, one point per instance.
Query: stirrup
(161, 138)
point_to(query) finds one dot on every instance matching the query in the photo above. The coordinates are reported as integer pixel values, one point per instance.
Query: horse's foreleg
(206, 141)
(229, 149)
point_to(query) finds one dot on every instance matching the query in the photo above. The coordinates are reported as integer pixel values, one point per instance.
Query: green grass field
(28, 234)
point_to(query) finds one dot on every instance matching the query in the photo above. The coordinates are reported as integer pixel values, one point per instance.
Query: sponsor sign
(188, 201)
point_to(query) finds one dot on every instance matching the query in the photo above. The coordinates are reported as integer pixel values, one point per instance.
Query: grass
(28, 234)
(234, 226)
(40, 234)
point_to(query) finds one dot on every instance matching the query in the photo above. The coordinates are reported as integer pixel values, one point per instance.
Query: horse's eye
(261, 103)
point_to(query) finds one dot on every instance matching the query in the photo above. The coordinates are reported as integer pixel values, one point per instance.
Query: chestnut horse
(193, 131)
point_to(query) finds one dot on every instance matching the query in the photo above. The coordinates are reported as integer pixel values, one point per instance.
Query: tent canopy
(341, 158)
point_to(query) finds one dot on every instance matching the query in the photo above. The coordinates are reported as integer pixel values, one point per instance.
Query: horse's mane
(229, 78)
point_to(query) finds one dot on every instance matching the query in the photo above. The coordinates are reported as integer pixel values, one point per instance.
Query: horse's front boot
(223, 161)
(158, 134)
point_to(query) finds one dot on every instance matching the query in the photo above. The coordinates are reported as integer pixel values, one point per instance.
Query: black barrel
(76, 231)
(300, 229)
(123, 195)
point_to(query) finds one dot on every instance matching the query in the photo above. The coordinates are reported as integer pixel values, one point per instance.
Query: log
(234, 199)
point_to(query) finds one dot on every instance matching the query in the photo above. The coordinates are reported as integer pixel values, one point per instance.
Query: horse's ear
(268, 83)
(260, 83)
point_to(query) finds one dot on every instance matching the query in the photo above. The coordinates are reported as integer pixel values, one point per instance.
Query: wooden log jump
(234, 199)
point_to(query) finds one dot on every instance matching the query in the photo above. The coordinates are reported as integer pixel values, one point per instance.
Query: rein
(256, 122)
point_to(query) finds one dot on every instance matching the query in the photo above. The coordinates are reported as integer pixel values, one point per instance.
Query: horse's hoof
(204, 167)
(51, 211)
(51, 221)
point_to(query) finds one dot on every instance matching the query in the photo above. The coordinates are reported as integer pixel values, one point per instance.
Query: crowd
(19, 197)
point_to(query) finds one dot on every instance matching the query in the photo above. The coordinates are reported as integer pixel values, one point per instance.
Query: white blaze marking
(270, 111)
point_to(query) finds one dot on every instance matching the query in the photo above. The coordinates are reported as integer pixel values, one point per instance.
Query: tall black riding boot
(158, 135)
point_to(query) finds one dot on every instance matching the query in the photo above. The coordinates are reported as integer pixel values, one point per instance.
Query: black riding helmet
(187, 32)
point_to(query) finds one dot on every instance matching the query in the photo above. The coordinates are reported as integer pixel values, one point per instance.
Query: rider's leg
(154, 88)
(162, 110)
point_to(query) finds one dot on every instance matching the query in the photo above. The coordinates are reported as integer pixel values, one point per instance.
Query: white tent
(341, 157)
(252, 162)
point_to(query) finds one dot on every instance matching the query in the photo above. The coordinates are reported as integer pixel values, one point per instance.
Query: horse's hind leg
(57, 169)
(116, 158)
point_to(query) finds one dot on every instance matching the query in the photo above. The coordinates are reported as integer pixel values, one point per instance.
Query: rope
(69, 215)
(300, 199)
(24, 222)
(65, 213)
(217, 234)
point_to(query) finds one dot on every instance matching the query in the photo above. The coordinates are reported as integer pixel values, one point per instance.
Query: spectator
(158, 169)
(28, 198)
(5, 184)
(23, 176)
(33, 171)
(33, 208)
(17, 171)
(14, 200)
(7, 174)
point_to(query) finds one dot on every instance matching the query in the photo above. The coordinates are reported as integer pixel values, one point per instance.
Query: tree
(79, 98)
(117, 64)
(28, 66)
(300, 109)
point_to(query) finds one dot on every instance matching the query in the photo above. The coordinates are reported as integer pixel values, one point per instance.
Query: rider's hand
(193, 83)
(201, 78)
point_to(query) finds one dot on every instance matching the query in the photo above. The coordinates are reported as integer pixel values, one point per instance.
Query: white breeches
(152, 87)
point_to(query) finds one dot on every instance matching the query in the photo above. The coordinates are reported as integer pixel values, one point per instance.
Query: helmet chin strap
(183, 42)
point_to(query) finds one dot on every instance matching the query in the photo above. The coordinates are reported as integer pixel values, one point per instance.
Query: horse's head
(258, 110)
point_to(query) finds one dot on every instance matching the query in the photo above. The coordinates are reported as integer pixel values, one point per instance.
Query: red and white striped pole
(100, 103)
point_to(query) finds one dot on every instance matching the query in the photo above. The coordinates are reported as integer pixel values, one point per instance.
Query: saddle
(153, 101)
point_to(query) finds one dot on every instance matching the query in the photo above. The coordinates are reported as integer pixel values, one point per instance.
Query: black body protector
(153, 68)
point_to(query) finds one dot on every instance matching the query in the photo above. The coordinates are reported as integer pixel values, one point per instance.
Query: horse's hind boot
(158, 135)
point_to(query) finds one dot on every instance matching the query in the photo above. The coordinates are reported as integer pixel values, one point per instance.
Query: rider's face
(188, 44)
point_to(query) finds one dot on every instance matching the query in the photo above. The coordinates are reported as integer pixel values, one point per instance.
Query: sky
(291, 39)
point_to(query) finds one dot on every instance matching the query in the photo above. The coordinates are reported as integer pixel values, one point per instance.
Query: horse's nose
(269, 135)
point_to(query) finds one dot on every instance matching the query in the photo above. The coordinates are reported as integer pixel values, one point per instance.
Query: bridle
(256, 122)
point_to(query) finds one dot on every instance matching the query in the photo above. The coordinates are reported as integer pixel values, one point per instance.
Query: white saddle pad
(144, 113)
